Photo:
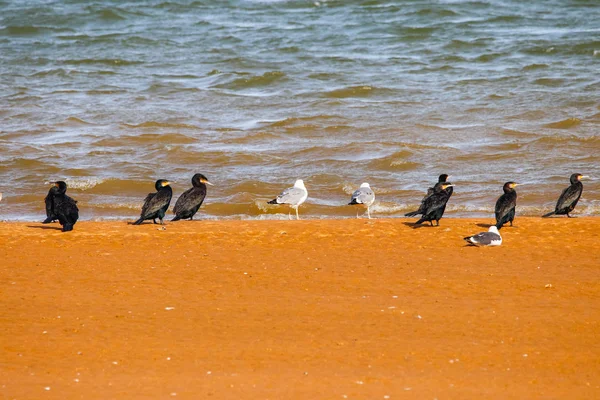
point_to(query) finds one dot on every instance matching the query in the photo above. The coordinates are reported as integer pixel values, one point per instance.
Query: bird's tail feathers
(412, 214)
(420, 221)
(139, 221)
(274, 201)
(177, 218)
(353, 202)
(549, 214)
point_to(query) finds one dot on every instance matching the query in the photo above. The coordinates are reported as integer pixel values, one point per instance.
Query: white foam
(79, 183)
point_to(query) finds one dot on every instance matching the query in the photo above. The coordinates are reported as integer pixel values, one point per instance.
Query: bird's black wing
(434, 202)
(49, 200)
(569, 197)
(156, 201)
(189, 199)
(504, 205)
(423, 206)
(147, 202)
(70, 209)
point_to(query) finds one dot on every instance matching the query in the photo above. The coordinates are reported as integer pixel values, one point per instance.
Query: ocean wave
(146, 138)
(118, 204)
(21, 30)
(589, 141)
(303, 121)
(114, 186)
(518, 134)
(52, 72)
(101, 61)
(253, 81)
(395, 162)
(358, 91)
(552, 82)
(564, 124)
(488, 57)
(414, 32)
(26, 164)
(156, 124)
(77, 121)
(533, 67)
(82, 184)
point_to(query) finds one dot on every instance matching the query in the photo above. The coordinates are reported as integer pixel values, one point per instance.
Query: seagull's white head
(300, 184)
(494, 229)
(365, 185)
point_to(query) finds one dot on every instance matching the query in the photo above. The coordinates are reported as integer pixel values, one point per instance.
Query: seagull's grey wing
(486, 238)
(363, 196)
(291, 196)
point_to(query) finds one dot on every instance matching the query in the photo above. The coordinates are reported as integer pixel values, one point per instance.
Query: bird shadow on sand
(418, 226)
(482, 225)
(52, 228)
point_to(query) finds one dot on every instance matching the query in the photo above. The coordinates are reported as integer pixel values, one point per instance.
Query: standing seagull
(433, 206)
(363, 195)
(190, 201)
(293, 196)
(490, 238)
(443, 178)
(505, 205)
(156, 204)
(63, 207)
(569, 197)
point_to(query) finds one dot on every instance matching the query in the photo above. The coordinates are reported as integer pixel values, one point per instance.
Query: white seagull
(363, 195)
(293, 196)
(490, 238)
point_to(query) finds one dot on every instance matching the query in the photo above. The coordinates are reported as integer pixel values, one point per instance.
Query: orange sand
(332, 309)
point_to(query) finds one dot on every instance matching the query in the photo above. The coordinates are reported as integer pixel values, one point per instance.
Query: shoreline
(309, 309)
(284, 217)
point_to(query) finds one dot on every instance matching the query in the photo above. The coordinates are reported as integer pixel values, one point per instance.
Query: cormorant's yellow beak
(167, 183)
(207, 182)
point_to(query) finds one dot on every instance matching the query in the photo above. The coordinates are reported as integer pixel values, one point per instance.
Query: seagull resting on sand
(490, 238)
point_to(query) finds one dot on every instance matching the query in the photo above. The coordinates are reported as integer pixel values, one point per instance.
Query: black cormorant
(441, 179)
(505, 205)
(569, 197)
(63, 207)
(156, 204)
(434, 205)
(49, 200)
(190, 201)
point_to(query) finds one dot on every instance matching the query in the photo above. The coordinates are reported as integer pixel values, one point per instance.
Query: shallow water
(111, 96)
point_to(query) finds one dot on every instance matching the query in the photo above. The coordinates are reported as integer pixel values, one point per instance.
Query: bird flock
(61, 207)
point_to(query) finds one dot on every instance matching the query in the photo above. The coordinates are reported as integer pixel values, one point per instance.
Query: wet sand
(319, 309)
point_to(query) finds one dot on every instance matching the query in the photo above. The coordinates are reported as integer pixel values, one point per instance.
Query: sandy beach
(317, 309)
